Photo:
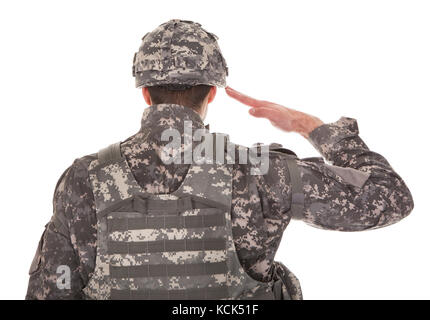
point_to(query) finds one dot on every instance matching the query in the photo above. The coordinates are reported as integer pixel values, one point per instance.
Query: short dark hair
(189, 96)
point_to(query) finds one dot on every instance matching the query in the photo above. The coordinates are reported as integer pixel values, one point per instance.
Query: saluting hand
(286, 119)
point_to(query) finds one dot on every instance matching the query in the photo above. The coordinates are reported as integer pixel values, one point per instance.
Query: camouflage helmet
(179, 53)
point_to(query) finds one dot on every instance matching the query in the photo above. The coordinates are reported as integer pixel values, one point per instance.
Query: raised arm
(359, 190)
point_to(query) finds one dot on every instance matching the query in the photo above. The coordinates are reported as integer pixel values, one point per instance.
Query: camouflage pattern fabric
(367, 194)
(182, 53)
(289, 288)
(177, 253)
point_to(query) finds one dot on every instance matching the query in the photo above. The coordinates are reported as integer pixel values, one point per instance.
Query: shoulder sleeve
(56, 271)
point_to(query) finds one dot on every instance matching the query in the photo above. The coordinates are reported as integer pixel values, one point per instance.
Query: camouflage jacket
(358, 191)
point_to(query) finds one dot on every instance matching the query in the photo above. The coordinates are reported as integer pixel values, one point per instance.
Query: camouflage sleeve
(358, 190)
(56, 270)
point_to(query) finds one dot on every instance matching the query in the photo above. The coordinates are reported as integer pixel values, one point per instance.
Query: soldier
(128, 224)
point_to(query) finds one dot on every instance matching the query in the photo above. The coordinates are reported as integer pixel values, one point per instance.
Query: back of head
(179, 61)
(192, 96)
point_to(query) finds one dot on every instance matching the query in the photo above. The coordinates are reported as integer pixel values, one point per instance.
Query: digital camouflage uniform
(357, 191)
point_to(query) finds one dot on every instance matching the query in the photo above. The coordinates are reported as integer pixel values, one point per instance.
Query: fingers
(247, 100)
(284, 118)
(243, 98)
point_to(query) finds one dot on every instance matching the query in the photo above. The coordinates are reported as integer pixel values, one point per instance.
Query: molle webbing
(168, 270)
(115, 247)
(156, 242)
(201, 221)
(143, 205)
(170, 246)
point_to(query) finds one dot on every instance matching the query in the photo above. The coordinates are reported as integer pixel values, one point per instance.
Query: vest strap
(110, 153)
(298, 197)
(277, 289)
(219, 148)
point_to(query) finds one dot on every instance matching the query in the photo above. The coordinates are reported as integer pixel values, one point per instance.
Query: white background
(67, 91)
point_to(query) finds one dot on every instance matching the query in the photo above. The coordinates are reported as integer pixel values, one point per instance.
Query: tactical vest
(170, 246)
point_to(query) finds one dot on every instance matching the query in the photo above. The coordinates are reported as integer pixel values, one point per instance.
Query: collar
(159, 117)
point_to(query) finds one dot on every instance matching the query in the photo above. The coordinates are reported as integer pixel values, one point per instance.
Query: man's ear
(146, 96)
(212, 94)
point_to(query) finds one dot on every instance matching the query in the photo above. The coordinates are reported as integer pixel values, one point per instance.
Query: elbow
(381, 206)
(408, 204)
(397, 206)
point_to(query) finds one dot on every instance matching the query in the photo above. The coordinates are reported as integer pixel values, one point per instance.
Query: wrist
(310, 126)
